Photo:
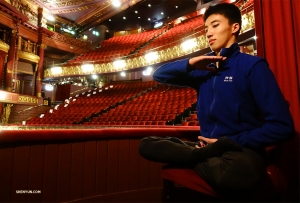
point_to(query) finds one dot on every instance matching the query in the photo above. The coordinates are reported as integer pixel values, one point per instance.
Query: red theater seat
(187, 177)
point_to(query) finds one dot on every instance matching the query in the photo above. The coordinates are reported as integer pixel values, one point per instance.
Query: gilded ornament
(28, 56)
(26, 99)
(4, 47)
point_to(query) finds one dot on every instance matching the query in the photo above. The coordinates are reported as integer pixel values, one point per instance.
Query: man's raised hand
(202, 62)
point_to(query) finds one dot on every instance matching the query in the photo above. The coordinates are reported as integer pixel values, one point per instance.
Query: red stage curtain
(277, 24)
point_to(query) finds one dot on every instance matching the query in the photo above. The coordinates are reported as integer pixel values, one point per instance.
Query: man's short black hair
(229, 11)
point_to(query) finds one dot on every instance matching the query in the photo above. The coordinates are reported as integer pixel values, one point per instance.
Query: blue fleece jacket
(232, 100)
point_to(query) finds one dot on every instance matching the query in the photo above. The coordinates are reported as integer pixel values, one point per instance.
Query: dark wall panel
(124, 165)
(76, 191)
(101, 167)
(64, 172)
(50, 173)
(113, 166)
(6, 172)
(134, 167)
(90, 158)
(70, 171)
(36, 171)
(20, 173)
(144, 173)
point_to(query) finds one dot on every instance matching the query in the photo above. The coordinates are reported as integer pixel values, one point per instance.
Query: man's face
(219, 33)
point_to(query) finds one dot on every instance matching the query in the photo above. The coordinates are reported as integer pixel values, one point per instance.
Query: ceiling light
(94, 77)
(87, 68)
(56, 70)
(123, 74)
(124, 18)
(148, 71)
(158, 24)
(202, 11)
(116, 3)
(188, 44)
(152, 56)
(149, 5)
(139, 17)
(149, 19)
(49, 87)
(50, 18)
(176, 6)
(109, 20)
(135, 11)
(119, 64)
(162, 13)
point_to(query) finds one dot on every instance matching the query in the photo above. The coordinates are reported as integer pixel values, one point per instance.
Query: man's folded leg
(169, 150)
(174, 151)
(235, 174)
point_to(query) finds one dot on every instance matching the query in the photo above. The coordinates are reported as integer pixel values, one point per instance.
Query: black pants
(235, 173)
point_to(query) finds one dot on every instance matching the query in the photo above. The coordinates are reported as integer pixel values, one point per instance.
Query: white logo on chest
(228, 79)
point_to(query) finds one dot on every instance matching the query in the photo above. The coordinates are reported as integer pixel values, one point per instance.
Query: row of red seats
(150, 107)
(175, 35)
(145, 107)
(118, 46)
(126, 123)
(81, 106)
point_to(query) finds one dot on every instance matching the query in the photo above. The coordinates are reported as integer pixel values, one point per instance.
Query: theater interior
(77, 96)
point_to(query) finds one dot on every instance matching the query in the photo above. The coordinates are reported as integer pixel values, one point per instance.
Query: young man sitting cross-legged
(234, 91)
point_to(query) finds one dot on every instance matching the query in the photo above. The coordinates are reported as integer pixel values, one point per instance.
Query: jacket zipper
(212, 104)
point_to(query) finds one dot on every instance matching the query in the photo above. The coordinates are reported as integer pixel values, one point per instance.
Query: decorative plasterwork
(79, 8)
(4, 47)
(28, 56)
(96, 14)
(248, 21)
(55, 56)
(27, 99)
(71, 41)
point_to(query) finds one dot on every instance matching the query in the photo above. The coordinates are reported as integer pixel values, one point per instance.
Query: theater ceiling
(86, 14)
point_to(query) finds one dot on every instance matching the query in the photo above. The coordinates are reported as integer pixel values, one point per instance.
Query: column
(41, 52)
(11, 60)
(3, 56)
(33, 80)
(39, 71)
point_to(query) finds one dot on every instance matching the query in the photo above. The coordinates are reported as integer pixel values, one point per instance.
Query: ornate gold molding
(27, 72)
(6, 113)
(43, 46)
(28, 56)
(71, 41)
(56, 56)
(4, 47)
(248, 21)
(26, 99)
